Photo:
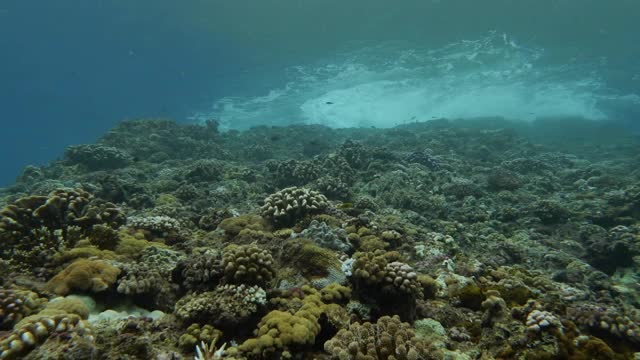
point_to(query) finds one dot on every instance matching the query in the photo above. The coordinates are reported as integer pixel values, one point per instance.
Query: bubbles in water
(391, 84)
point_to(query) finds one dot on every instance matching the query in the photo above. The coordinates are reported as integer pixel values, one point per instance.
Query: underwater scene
(320, 179)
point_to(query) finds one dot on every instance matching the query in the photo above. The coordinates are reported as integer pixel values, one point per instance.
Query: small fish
(329, 103)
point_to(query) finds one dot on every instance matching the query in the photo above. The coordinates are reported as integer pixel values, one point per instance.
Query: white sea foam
(391, 84)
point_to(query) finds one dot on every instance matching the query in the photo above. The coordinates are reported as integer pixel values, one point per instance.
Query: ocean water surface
(72, 69)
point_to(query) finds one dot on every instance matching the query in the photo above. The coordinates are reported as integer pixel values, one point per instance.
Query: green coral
(282, 330)
(247, 264)
(195, 334)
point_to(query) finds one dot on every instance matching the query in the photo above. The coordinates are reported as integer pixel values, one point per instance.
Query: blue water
(70, 70)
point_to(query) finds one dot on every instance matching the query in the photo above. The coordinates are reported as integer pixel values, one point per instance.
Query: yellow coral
(233, 226)
(93, 275)
(314, 260)
(278, 330)
(66, 305)
(335, 292)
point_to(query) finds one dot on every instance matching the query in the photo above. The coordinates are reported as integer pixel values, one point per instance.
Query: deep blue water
(69, 70)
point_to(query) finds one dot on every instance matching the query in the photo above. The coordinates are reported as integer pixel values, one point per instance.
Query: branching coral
(16, 304)
(151, 277)
(229, 306)
(200, 271)
(291, 204)
(56, 221)
(387, 339)
(282, 330)
(33, 332)
(247, 264)
(618, 322)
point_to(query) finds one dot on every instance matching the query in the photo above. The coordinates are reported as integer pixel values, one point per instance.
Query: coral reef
(97, 157)
(443, 240)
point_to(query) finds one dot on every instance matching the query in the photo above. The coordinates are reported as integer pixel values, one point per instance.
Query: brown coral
(16, 304)
(388, 339)
(84, 275)
(49, 222)
(291, 204)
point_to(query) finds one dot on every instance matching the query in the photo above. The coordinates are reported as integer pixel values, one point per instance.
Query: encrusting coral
(324, 236)
(84, 275)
